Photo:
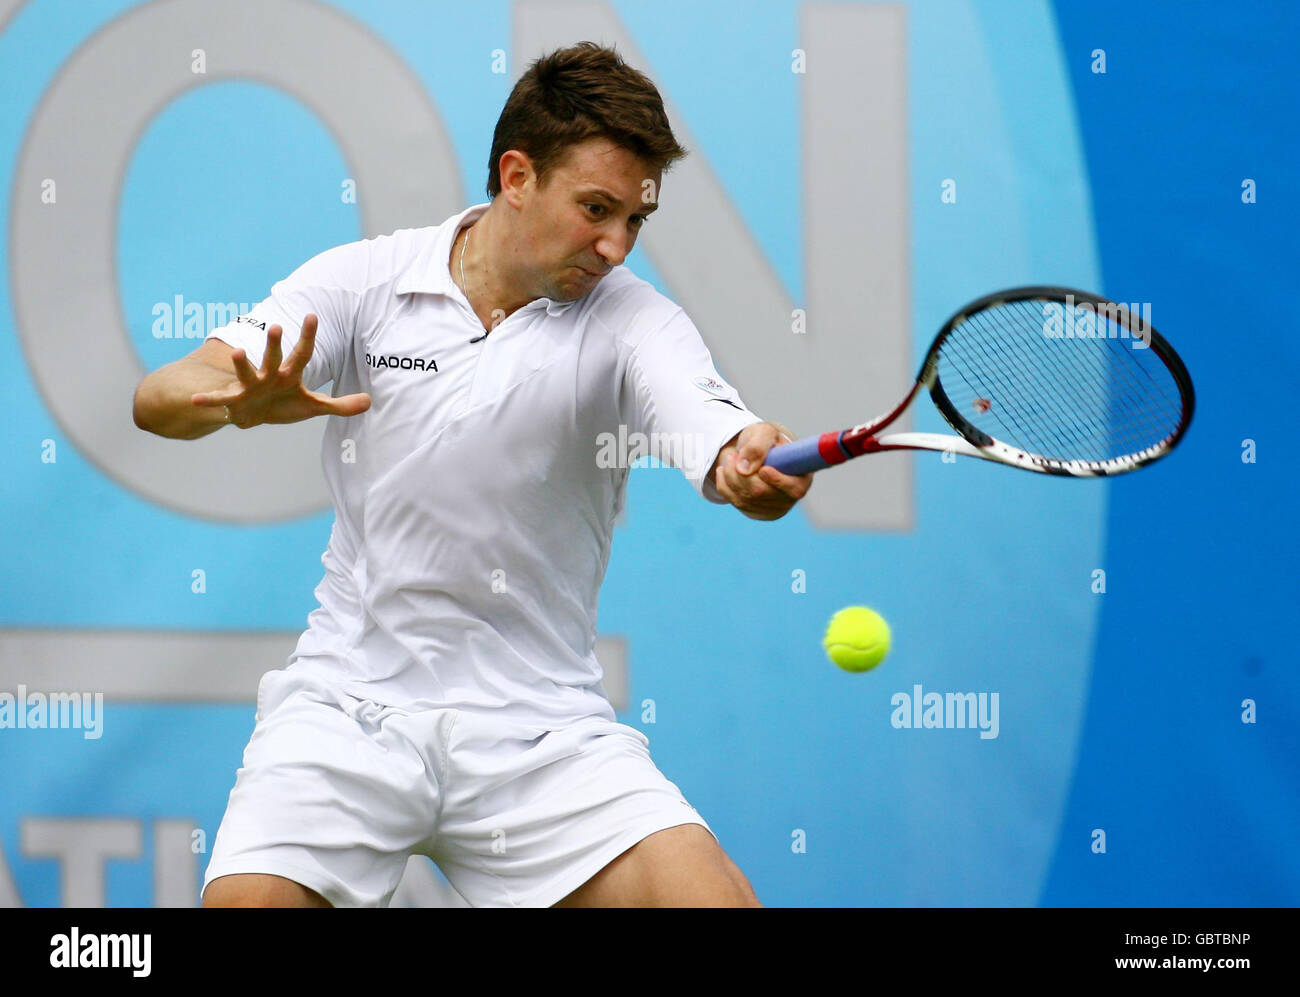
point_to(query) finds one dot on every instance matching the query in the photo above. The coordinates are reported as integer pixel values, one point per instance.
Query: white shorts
(336, 792)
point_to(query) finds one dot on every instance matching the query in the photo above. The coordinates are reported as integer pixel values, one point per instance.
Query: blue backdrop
(1147, 737)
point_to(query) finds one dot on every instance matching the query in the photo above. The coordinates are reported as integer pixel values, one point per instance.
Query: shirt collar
(430, 274)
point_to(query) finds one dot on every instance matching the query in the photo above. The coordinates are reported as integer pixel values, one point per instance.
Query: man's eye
(596, 207)
(640, 219)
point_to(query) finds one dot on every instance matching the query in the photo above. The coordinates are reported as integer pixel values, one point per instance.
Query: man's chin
(572, 290)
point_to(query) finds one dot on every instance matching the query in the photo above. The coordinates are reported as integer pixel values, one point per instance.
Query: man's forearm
(162, 401)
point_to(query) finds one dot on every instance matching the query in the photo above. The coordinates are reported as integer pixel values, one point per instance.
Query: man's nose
(613, 249)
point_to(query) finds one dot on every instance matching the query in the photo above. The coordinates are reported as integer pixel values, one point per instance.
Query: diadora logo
(405, 363)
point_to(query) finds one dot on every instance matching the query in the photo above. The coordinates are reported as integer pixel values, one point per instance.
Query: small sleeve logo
(712, 386)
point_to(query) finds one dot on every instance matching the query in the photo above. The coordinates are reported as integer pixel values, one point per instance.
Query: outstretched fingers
(272, 357)
(302, 350)
(244, 370)
(343, 405)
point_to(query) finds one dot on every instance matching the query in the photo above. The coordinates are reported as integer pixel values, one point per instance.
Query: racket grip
(799, 457)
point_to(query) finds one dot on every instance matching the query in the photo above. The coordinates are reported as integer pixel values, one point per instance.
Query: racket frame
(828, 449)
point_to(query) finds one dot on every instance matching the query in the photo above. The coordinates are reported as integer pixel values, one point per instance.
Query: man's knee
(747, 896)
(708, 864)
(258, 890)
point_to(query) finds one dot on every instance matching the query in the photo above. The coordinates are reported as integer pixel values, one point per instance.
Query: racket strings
(1095, 416)
(1132, 400)
(1092, 397)
(1165, 385)
(1003, 370)
(1074, 395)
(1098, 389)
(1086, 394)
(1009, 369)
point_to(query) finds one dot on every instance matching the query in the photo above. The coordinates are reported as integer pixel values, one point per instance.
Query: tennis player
(445, 699)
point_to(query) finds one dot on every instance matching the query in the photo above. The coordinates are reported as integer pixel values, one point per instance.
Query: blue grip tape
(798, 457)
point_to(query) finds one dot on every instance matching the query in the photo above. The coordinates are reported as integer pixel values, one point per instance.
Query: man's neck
(482, 253)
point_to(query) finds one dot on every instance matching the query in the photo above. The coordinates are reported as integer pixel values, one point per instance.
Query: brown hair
(574, 94)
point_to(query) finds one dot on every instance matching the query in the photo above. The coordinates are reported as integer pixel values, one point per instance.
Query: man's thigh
(530, 817)
(258, 890)
(676, 867)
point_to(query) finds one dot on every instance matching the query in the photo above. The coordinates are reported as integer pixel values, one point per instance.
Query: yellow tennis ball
(857, 639)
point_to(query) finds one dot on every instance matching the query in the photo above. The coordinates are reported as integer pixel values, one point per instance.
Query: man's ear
(518, 178)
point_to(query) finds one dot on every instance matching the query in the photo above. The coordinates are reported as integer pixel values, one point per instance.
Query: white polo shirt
(475, 500)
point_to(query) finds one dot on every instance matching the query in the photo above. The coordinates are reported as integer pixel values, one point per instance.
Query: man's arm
(192, 397)
(741, 477)
(163, 400)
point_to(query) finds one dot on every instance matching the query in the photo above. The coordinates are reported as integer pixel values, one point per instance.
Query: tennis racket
(1047, 379)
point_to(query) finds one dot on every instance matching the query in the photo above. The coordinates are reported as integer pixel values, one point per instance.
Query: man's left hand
(741, 477)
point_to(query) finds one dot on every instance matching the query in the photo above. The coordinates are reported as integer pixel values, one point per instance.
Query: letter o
(62, 264)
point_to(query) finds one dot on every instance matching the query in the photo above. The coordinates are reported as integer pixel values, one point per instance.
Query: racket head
(1060, 381)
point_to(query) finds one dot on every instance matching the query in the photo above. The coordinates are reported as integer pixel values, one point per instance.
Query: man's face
(584, 219)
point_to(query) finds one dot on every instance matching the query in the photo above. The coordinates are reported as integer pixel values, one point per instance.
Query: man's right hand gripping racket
(1047, 379)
